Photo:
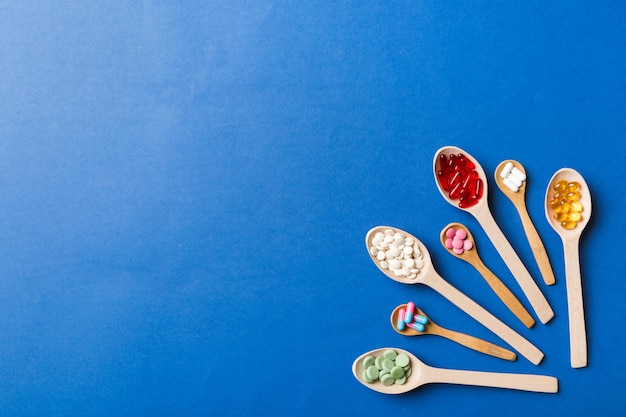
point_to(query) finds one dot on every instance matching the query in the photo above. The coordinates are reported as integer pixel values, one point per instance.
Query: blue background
(185, 189)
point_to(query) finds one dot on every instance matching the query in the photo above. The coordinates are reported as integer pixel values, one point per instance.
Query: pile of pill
(565, 204)
(408, 317)
(456, 240)
(512, 177)
(398, 253)
(456, 176)
(390, 368)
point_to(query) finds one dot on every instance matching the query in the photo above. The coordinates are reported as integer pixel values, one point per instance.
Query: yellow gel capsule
(561, 216)
(555, 205)
(561, 185)
(574, 216)
(573, 196)
(573, 186)
(576, 206)
(565, 205)
(569, 225)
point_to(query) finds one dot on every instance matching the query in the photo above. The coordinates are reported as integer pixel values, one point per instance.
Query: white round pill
(410, 262)
(380, 255)
(395, 264)
(419, 263)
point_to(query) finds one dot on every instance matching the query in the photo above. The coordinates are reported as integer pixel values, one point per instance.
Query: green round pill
(401, 381)
(408, 372)
(372, 372)
(379, 362)
(390, 354)
(388, 364)
(396, 372)
(387, 380)
(366, 378)
(368, 361)
(402, 360)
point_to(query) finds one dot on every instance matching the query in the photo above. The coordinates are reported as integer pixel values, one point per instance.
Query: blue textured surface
(185, 189)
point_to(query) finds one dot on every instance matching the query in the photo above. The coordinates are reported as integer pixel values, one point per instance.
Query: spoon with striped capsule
(445, 163)
(430, 327)
(429, 277)
(511, 179)
(422, 374)
(570, 235)
(472, 257)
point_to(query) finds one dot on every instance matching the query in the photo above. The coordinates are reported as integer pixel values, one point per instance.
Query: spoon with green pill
(388, 246)
(422, 374)
(466, 340)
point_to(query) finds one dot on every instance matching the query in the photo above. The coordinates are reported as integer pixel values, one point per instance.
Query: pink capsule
(410, 310)
(400, 323)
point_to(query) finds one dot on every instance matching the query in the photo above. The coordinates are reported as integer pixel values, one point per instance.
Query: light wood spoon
(482, 213)
(471, 256)
(573, 283)
(466, 340)
(517, 198)
(422, 374)
(428, 276)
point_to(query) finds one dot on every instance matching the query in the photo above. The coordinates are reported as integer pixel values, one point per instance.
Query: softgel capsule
(398, 253)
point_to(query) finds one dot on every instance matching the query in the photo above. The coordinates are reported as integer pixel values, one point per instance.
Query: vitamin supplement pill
(458, 251)
(510, 185)
(418, 318)
(461, 234)
(448, 243)
(506, 170)
(378, 362)
(576, 206)
(390, 354)
(402, 360)
(368, 361)
(451, 232)
(400, 324)
(467, 245)
(372, 373)
(388, 364)
(517, 174)
(410, 310)
(387, 380)
(457, 243)
(514, 181)
(417, 326)
(366, 378)
(396, 372)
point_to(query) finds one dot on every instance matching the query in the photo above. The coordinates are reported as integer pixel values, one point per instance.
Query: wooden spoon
(573, 283)
(517, 198)
(428, 276)
(422, 374)
(471, 256)
(482, 213)
(466, 340)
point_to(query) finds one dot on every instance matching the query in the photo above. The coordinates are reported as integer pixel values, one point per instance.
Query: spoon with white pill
(403, 258)
(422, 374)
(462, 183)
(459, 242)
(430, 327)
(568, 209)
(511, 179)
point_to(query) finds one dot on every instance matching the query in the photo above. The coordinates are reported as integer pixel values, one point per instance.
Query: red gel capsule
(466, 202)
(455, 179)
(443, 180)
(456, 191)
(443, 161)
(479, 188)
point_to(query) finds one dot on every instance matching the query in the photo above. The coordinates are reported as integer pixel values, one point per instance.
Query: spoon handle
(507, 297)
(535, 383)
(536, 245)
(477, 344)
(576, 314)
(515, 265)
(478, 313)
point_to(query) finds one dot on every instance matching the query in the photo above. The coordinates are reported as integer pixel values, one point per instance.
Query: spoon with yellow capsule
(511, 179)
(568, 209)
(424, 325)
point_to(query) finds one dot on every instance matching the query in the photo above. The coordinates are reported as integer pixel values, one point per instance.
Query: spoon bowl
(422, 374)
(519, 202)
(480, 210)
(466, 340)
(472, 257)
(573, 281)
(429, 277)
